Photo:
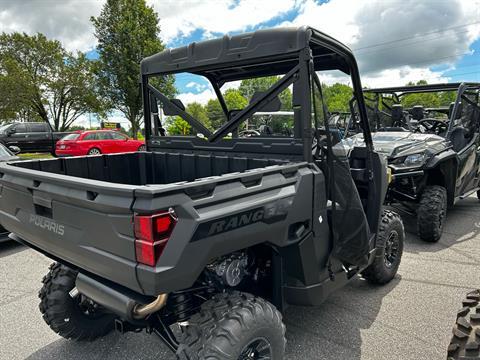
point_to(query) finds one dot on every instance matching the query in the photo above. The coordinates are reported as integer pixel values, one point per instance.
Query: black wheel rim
(257, 349)
(391, 249)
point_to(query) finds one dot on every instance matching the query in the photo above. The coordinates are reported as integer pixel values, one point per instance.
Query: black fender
(444, 164)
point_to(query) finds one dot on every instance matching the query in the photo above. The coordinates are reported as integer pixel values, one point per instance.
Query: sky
(394, 41)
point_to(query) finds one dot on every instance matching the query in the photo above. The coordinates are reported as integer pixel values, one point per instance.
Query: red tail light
(151, 235)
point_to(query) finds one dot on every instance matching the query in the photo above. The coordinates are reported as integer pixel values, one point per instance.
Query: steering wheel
(432, 126)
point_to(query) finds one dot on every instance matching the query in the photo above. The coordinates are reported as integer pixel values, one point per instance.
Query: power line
(411, 43)
(415, 36)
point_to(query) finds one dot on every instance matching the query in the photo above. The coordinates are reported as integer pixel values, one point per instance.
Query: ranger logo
(269, 213)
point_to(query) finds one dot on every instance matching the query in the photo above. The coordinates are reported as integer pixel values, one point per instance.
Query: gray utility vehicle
(210, 232)
(434, 160)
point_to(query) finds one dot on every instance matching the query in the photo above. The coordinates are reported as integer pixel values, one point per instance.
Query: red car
(95, 142)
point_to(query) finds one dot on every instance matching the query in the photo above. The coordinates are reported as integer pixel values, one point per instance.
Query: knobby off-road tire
(233, 326)
(64, 314)
(389, 249)
(431, 213)
(465, 343)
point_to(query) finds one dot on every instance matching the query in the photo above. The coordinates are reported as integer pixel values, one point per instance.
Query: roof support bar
(266, 97)
(186, 116)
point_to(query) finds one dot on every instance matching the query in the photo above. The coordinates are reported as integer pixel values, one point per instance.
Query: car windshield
(5, 152)
(71, 137)
(4, 127)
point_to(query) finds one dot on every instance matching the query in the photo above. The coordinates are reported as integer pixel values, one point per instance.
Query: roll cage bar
(289, 51)
(462, 89)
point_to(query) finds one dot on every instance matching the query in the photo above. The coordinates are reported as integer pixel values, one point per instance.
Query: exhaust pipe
(142, 311)
(123, 302)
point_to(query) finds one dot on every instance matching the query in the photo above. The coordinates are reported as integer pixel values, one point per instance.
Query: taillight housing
(151, 235)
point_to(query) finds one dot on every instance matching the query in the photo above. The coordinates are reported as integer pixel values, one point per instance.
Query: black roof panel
(241, 55)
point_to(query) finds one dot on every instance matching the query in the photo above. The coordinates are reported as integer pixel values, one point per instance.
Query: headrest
(397, 112)
(417, 112)
(265, 130)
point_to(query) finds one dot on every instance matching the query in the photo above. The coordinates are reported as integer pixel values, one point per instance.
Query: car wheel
(234, 326)
(142, 148)
(464, 343)
(94, 151)
(70, 314)
(388, 250)
(431, 213)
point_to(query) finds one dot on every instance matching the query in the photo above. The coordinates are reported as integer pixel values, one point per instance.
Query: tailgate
(83, 222)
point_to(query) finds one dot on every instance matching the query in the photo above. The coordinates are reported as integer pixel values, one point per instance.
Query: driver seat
(459, 138)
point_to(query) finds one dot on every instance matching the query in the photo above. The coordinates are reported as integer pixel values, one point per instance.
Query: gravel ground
(410, 318)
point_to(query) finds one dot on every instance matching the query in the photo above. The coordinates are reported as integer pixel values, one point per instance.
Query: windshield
(5, 152)
(203, 110)
(4, 127)
(71, 137)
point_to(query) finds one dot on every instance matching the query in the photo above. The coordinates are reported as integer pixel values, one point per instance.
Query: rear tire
(94, 151)
(431, 213)
(465, 342)
(64, 314)
(389, 249)
(234, 326)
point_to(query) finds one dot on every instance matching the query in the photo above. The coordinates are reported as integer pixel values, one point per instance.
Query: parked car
(30, 136)
(435, 161)
(214, 234)
(7, 154)
(95, 142)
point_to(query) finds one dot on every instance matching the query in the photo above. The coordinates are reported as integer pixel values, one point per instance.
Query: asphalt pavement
(410, 318)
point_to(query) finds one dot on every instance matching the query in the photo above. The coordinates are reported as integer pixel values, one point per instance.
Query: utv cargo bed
(58, 205)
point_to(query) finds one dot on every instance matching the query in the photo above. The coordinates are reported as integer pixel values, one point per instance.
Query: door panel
(20, 138)
(40, 137)
(468, 167)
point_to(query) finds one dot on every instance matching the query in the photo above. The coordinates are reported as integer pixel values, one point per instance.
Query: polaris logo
(47, 224)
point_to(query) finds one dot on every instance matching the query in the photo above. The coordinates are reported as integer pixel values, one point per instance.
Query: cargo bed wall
(148, 168)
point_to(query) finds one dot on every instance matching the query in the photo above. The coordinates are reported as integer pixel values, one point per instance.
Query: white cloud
(201, 97)
(364, 24)
(66, 20)
(196, 86)
(182, 18)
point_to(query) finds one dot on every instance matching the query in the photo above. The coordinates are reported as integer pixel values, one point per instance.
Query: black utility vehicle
(215, 233)
(433, 153)
(30, 136)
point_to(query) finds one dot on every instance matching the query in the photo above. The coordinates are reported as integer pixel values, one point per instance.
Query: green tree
(178, 126)
(248, 87)
(40, 80)
(215, 113)
(337, 97)
(127, 31)
(431, 99)
(200, 113)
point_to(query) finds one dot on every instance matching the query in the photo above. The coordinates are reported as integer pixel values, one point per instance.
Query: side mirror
(11, 131)
(14, 149)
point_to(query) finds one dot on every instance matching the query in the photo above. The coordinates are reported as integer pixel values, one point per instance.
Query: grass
(33, 156)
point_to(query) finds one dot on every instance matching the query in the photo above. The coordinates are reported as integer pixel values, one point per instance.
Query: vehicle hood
(394, 144)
